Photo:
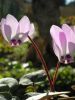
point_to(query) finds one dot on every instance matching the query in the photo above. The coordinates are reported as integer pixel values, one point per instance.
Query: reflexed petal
(55, 32)
(6, 30)
(63, 42)
(70, 35)
(32, 30)
(13, 23)
(71, 47)
(56, 51)
(31, 34)
(24, 25)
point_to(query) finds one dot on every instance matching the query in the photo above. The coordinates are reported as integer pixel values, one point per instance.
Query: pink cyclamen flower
(16, 32)
(63, 43)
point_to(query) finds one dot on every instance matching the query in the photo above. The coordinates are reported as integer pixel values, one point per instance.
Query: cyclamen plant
(16, 33)
(63, 44)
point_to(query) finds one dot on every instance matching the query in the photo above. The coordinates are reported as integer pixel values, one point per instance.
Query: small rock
(44, 96)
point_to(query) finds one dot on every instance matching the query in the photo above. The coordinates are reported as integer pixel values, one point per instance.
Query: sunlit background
(69, 1)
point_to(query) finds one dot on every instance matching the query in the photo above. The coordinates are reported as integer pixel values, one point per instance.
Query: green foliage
(10, 60)
(21, 51)
(66, 75)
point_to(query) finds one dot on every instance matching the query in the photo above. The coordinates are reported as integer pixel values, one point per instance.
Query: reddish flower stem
(43, 62)
(55, 74)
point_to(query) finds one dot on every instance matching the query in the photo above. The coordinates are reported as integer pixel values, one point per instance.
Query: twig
(55, 74)
(42, 61)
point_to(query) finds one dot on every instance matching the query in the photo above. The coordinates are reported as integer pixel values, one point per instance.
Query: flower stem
(55, 74)
(43, 62)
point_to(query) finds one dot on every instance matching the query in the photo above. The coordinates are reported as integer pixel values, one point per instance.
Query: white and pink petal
(70, 35)
(6, 30)
(24, 25)
(63, 42)
(31, 31)
(57, 51)
(59, 37)
(12, 22)
(71, 47)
